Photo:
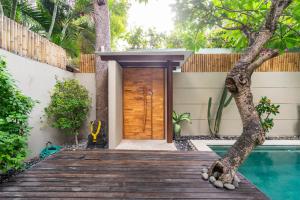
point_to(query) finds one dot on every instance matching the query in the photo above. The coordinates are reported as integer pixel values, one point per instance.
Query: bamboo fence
(18, 39)
(287, 62)
(87, 63)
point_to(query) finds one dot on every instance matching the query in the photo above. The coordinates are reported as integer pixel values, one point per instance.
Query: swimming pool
(275, 170)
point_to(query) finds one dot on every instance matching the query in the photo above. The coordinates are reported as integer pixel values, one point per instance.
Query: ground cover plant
(69, 106)
(15, 108)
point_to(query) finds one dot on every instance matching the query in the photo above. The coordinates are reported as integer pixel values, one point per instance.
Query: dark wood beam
(148, 64)
(169, 103)
(160, 58)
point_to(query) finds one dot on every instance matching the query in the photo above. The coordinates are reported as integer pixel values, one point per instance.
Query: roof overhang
(147, 58)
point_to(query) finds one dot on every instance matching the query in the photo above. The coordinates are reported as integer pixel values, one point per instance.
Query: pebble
(235, 183)
(229, 186)
(204, 170)
(236, 178)
(205, 176)
(216, 174)
(218, 184)
(212, 179)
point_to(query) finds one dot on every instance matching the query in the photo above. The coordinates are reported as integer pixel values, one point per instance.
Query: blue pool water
(275, 170)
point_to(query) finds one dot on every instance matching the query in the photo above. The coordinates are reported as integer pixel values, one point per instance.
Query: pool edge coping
(202, 145)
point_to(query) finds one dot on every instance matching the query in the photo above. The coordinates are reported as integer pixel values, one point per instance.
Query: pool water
(275, 170)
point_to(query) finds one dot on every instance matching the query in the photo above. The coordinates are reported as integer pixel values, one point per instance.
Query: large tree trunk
(238, 82)
(53, 20)
(102, 26)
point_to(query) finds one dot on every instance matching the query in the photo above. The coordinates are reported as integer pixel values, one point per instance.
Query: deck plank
(117, 174)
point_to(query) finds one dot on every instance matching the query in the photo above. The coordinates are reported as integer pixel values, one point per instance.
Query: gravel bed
(183, 143)
(234, 138)
(81, 145)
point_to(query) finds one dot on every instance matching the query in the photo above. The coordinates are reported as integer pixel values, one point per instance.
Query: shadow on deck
(117, 174)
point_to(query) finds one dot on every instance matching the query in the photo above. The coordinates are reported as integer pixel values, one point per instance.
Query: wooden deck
(91, 174)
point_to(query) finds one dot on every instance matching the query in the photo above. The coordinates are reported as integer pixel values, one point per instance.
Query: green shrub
(266, 110)
(178, 119)
(14, 128)
(69, 107)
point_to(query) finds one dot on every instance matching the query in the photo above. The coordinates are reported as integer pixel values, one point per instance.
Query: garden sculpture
(97, 137)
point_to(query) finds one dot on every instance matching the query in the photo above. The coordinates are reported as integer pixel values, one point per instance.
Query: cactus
(224, 102)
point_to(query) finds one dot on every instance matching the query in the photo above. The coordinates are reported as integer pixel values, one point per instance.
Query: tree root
(221, 175)
(222, 171)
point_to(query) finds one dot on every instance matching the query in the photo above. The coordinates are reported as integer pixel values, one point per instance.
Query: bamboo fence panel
(18, 39)
(287, 62)
(87, 63)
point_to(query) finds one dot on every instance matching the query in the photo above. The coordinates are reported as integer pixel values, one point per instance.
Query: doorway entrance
(143, 103)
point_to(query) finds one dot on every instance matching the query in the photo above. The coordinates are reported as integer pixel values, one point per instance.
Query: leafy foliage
(266, 110)
(136, 39)
(69, 107)
(142, 39)
(14, 128)
(118, 19)
(179, 118)
(221, 22)
(74, 27)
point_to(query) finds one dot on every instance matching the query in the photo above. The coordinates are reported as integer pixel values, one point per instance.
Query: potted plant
(178, 119)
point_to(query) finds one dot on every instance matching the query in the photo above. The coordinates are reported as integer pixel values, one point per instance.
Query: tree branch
(264, 56)
(276, 10)
(266, 31)
(230, 28)
(248, 32)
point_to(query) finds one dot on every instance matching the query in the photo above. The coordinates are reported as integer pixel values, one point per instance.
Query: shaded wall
(37, 80)
(115, 104)
(192, 90)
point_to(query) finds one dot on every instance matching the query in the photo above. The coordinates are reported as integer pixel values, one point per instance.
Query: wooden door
(143, 103)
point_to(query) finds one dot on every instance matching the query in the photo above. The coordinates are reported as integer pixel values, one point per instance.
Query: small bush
(14, 129)
(266, 111)
(69, 107)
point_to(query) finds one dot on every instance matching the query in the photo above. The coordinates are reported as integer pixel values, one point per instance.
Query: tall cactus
(224, 102)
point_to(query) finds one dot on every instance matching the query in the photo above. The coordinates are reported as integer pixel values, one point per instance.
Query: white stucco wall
(37, 80)
(115, 104)
(192, 90)
(88, 80)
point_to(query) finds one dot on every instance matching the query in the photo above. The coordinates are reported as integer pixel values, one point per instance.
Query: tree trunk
(52, 20)
(252, 134)
(76, 139)
(102, 26)
(13, 9)
(63, 32)
(238, 82)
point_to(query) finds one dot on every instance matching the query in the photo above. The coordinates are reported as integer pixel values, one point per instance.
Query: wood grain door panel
(143, 103)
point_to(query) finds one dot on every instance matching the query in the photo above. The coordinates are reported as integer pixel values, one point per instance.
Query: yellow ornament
(94, 135)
